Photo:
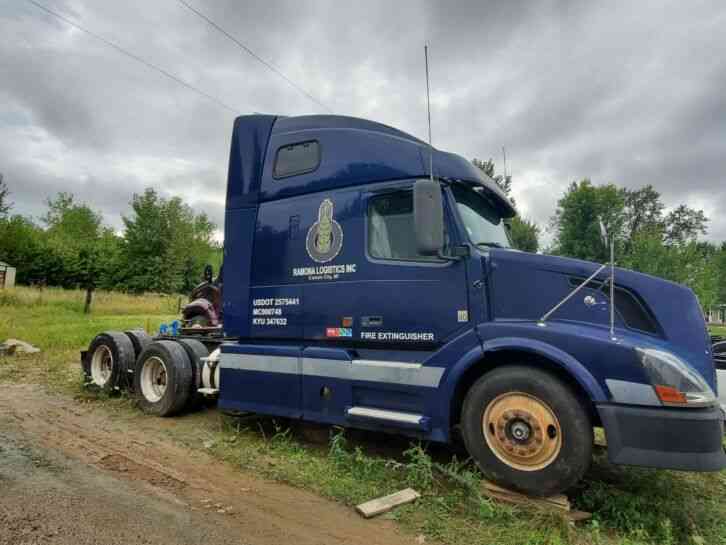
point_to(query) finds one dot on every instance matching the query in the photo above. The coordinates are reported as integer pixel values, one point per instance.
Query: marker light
(674, 382)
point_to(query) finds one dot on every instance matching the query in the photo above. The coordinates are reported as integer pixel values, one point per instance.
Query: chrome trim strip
(384, 363)
(256, 362)
(388, 372)
(375, 371)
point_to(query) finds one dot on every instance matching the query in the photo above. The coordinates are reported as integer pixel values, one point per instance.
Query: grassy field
(629, 505)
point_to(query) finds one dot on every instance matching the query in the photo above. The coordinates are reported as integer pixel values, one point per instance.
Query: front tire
(527, 430)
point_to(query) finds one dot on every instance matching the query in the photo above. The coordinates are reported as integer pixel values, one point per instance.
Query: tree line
(647, 238)
(163, 246)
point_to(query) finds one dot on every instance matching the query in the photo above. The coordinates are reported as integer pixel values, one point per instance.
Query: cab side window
(295, 159)
(391, 229)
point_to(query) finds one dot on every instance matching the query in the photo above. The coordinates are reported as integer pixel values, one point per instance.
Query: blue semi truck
(363, 289)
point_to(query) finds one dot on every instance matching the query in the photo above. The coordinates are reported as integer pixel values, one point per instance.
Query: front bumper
(684, 439)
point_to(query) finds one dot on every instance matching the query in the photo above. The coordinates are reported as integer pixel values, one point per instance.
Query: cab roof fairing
(252, 135)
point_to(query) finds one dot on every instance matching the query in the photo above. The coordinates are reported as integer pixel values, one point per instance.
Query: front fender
(478, 353)
(556, 355)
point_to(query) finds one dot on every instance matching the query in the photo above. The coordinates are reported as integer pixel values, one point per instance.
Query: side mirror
(428, 217)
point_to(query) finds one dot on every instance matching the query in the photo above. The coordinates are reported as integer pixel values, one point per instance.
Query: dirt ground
(70, 475)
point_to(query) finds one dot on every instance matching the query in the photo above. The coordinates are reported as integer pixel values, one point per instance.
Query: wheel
(109, 355)
(163, 378)
(527, 430)
(196, 351)
(140, 339)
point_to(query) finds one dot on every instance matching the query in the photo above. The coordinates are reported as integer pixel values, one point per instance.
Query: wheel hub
(522, 431)
(153, 379)
(101, 365)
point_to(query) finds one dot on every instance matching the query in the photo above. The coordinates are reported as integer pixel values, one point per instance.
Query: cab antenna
(428, 106)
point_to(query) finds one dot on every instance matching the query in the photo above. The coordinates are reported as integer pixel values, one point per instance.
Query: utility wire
(133, 56)
(255, 55)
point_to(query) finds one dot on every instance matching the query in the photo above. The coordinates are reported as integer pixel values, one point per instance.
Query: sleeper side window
(295, 159)
(390, 228)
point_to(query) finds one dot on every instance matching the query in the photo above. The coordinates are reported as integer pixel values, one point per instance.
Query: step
(386, 415)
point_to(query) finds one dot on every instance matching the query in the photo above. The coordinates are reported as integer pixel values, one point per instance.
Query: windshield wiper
(490, 244)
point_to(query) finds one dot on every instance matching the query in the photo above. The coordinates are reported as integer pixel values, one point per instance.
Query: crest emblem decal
(325, 237)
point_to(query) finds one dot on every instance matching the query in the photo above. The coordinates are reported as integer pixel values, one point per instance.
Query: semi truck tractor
(370, 282)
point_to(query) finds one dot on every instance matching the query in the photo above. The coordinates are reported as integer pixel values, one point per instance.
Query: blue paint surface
(454, 315)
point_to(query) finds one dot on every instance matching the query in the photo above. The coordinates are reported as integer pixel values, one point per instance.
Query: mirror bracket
(457, 253)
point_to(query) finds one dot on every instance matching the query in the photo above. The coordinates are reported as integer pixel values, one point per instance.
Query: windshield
(482, 221)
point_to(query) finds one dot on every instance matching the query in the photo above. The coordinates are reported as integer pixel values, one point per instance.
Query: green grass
(53, 320)
(718, 330)
(630, 506)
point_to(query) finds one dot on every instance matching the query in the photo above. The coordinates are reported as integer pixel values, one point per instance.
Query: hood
(524, 286)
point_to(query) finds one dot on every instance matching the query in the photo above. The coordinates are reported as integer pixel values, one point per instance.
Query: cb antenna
(504, 155)
(428, 106)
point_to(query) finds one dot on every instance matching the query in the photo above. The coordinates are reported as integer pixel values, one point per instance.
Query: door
(388, 313)
(389, 295)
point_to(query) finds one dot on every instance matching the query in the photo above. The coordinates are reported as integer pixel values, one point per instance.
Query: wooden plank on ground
(577, 516)
(386, 503)
(558, 501)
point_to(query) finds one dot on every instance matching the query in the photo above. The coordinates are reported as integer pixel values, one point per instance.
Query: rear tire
(140, 339)
(527, 430)
(110, 354)
(163, 378)
(196, 351)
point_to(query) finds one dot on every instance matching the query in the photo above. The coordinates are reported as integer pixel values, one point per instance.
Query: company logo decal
(325, 237)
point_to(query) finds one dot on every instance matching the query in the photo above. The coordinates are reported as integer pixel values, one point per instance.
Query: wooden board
(386, 503)
(577, 516)
(558, 501)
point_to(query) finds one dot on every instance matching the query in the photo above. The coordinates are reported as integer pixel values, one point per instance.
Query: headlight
(674, 382)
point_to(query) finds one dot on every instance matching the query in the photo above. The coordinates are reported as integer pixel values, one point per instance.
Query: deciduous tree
(5, 204)
(165, 243)
(575, 222)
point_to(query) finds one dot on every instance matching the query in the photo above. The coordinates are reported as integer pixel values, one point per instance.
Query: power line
(255, 55)
(133, 56)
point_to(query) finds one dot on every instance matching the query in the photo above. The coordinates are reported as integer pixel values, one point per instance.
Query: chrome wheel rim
(101, 365)
(522, 431)
(153, 379)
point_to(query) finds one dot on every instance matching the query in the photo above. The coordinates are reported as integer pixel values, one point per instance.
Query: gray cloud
(630, 93)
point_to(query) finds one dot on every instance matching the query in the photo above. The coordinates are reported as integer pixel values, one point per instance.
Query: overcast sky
(632, 92)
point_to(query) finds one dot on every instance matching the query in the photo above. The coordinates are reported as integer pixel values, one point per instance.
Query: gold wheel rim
(522, 431)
